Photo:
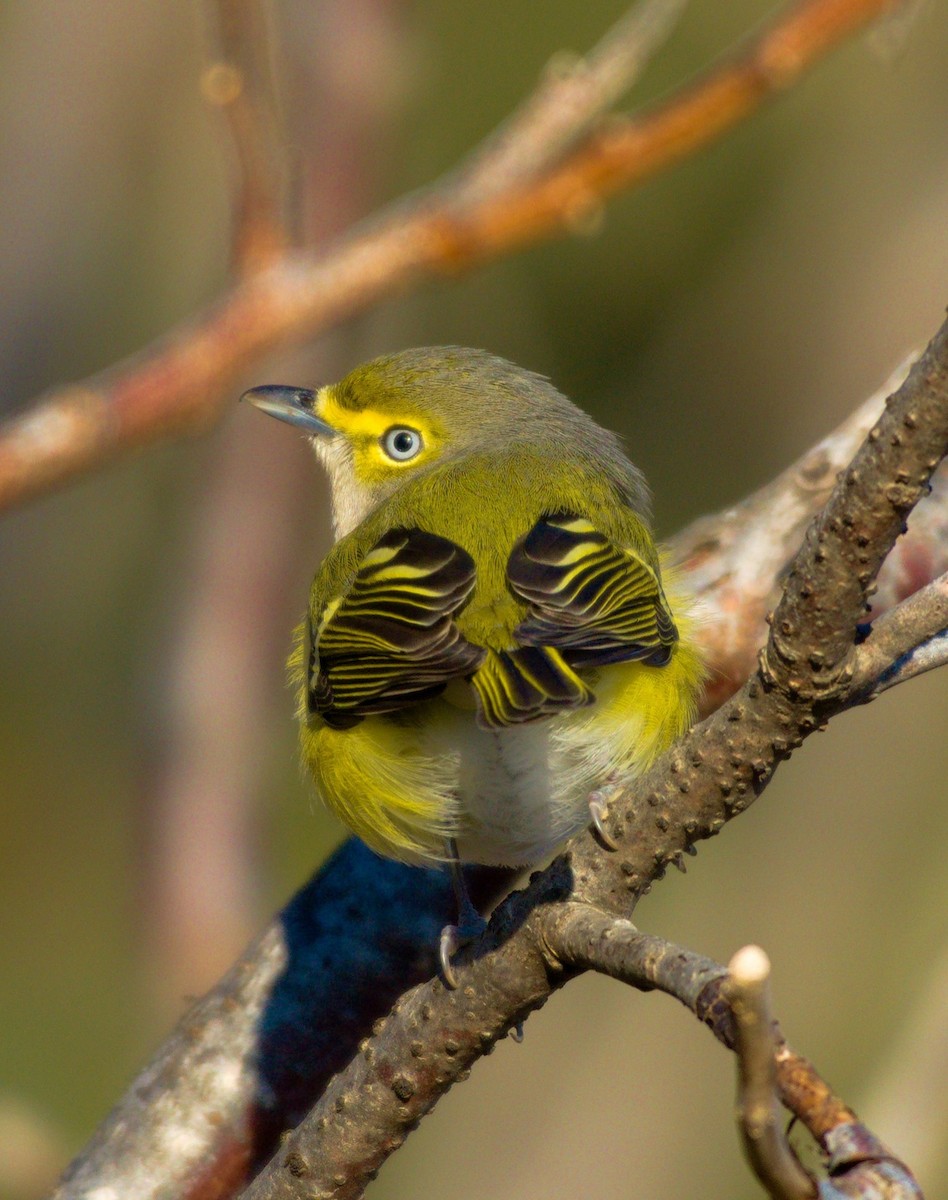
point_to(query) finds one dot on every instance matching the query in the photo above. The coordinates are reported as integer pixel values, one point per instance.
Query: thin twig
(572, 95)
(769, 1152)
(238, 79)
(181, 384)
(205, 744)
(904, 642)
(630, 150)
(581, 937)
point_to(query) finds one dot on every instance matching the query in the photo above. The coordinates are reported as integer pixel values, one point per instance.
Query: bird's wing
(590, 603)
(593, 601)
(390, 640)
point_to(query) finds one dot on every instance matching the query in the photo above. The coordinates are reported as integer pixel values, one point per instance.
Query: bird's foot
(453, 938)
(598, 811)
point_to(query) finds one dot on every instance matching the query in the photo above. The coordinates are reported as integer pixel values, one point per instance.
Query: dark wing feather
(592, 600)
(391, 640)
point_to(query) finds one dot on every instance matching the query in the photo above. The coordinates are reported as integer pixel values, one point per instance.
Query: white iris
(401, 443)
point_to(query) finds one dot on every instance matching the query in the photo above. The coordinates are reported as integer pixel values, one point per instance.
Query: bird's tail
(520, 685)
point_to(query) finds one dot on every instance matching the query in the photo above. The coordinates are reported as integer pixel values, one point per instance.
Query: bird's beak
(294, 405)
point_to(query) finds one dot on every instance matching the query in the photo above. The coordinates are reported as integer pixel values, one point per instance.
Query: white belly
(519, 792)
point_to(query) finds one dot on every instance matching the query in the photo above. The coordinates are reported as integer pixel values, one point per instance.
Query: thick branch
(181, 384)
(250, 1058)
(733, 561)
(811, 642)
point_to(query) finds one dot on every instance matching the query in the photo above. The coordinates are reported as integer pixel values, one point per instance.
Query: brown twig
(238, 79)
(573, 94)
(580, 937)
(205, 745)
(630, 150)
(769, 1152)
(906, 642)
(181, 384)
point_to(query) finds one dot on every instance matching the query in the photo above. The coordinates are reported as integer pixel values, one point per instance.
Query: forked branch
(732, 1002)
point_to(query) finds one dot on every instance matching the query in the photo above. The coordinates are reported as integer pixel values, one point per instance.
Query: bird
(491, 638)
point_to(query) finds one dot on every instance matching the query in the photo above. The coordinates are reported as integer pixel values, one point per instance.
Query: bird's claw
(449, 944)
(598, 811)
(453, 937)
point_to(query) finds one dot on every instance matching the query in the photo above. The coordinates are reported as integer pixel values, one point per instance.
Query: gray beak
(291, 404)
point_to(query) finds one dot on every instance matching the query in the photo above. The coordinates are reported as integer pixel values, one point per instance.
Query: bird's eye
(401, 443)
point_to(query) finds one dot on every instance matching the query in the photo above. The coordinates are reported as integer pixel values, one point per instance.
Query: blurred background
(722, 318)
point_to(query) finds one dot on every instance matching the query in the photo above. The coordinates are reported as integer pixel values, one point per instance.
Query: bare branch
(238, 80)
(181, 384)
(733, 562)
(904, 642)
(573, 94)
(770, 1155)
(250, 1058)
(581, 937)
(811, 641)
(630, 150)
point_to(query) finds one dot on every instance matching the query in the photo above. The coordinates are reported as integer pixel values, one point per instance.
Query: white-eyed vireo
(489, 640)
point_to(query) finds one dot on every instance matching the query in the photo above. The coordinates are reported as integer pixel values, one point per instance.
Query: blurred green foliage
(724, 317)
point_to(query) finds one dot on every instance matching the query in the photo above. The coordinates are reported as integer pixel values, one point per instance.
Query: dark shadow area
(362, 931)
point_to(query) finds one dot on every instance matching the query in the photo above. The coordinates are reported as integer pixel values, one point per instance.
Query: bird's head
(393, 418)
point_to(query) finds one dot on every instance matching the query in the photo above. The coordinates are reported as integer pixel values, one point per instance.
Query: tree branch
(574, 93)
(250, 1058)
(767, 1149)
(733, 562)
(811, 642)
(181, 384)
(238, 80)
(579, 937)
(907, 641)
